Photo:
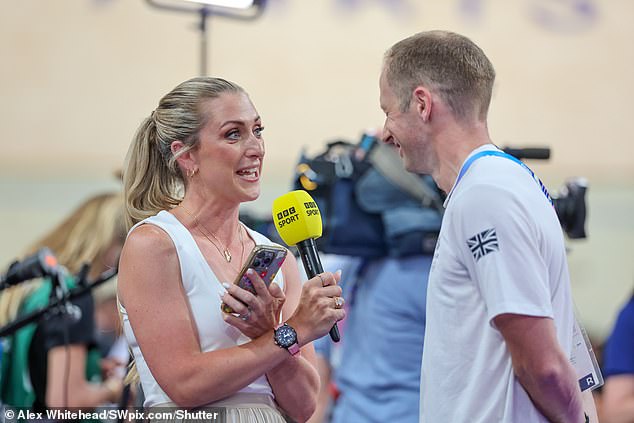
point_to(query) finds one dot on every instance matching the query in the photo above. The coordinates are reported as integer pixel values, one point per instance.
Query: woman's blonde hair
(83, 237)
(152, 179)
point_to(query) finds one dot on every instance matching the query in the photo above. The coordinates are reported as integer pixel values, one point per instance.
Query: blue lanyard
(481, 154)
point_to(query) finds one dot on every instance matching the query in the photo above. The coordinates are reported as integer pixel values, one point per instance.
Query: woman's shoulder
(148, 238)
(148, 259)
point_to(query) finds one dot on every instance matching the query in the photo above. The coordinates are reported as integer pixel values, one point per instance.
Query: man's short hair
(449, 64)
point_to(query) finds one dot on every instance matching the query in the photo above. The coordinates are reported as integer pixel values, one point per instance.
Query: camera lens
(260, 254)
(256, 263)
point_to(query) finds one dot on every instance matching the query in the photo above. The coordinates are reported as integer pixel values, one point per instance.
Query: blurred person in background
(41, 368)
(193, 161)
(110, 340)
(617, 397)
(373, 375)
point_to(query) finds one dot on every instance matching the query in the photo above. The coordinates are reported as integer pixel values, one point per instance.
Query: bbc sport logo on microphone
(311, 208)
(290, 214)
(287, 216)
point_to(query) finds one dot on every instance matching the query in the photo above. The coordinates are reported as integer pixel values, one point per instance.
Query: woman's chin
(251, 195)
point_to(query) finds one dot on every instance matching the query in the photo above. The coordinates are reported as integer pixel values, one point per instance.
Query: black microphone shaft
(312, 265)
(310, 257)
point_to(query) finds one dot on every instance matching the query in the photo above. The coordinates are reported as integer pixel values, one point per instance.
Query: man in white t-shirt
(499, 308)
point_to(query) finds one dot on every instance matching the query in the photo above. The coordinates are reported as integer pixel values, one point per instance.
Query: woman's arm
(71, 361)
(151, 290)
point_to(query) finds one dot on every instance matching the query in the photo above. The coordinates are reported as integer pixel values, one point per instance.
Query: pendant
(227, 256)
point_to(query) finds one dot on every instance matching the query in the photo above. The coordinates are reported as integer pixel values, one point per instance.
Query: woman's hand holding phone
(254, 302)
(256, 314)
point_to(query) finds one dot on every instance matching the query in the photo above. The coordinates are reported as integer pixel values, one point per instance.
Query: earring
(192, 172)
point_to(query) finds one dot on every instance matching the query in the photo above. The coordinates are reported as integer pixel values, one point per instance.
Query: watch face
(285, 336)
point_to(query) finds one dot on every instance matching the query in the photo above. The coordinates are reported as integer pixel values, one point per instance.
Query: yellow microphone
(296, 217)
(298, 221)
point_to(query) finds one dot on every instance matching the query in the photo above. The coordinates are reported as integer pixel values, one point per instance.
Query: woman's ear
(186, 161)
(175, 146)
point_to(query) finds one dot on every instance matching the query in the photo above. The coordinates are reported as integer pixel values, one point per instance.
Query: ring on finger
(339, 301)
(323, 283)
(246, 315)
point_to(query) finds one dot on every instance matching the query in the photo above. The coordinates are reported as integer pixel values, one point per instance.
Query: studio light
(245, 10)
(231, 4)
(238, 9)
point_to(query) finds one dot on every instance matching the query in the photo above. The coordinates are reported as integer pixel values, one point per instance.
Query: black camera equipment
(60, 302)
(42, 263)
(531, 153)
(371, 206)
(570, 205)
(569, 201)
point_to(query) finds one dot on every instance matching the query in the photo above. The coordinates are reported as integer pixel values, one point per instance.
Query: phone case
(266, 260)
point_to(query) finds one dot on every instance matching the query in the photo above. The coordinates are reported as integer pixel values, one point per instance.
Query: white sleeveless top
(202, 288)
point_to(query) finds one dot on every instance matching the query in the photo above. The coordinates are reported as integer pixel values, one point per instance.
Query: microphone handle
(312, 265)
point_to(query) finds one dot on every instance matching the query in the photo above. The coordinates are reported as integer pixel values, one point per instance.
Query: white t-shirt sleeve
(499, 241)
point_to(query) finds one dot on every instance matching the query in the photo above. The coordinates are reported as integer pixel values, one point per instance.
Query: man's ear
(422, 101)
(186, 160)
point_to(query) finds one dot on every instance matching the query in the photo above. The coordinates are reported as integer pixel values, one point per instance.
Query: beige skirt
(238, 408)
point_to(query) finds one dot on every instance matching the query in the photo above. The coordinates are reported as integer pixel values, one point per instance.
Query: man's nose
(386, 135)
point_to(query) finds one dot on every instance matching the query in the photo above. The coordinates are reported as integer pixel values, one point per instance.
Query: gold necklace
(225, 251)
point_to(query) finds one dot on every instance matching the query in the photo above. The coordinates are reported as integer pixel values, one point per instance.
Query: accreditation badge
(583, 359)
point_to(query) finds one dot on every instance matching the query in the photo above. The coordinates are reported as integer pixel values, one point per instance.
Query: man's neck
(453, 150)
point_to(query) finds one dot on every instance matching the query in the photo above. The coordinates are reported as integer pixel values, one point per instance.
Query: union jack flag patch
(483, 243)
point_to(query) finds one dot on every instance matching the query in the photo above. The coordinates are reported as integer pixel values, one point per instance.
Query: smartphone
(266, 260)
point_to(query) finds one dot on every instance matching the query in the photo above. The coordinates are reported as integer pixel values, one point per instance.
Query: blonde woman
(55, 357)
(193, 161)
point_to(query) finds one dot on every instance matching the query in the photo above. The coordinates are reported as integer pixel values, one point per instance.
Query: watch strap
(294, 349)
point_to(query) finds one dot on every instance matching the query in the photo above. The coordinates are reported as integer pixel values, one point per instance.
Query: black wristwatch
(286, 337)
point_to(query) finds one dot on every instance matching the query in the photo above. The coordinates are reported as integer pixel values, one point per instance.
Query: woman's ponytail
(149, 186)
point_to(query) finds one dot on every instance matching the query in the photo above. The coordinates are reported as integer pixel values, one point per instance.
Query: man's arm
(541, 366)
